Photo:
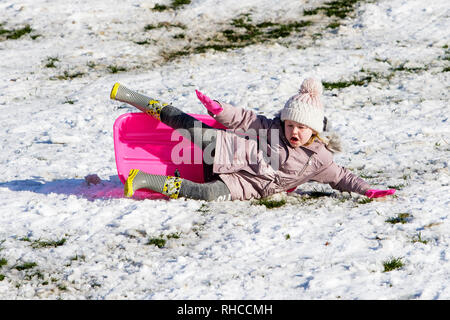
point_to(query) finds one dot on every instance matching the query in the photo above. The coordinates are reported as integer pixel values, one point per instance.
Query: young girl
(287, 152)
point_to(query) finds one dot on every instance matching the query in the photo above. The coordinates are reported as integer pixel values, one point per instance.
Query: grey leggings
(205, 136)
(209, 191)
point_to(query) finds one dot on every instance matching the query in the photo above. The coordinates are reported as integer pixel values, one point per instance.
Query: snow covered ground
(62, 238)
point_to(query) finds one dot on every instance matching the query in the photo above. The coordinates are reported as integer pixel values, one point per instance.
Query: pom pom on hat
(306, 106)
(312, 87)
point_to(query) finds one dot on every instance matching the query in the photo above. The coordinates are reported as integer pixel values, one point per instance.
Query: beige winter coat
(252, 168)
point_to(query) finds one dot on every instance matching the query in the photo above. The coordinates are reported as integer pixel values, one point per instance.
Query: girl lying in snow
(287, 152)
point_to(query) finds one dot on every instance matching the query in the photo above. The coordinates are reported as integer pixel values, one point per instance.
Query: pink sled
(144, 143)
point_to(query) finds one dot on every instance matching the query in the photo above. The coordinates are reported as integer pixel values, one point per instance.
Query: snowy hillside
(385, 68)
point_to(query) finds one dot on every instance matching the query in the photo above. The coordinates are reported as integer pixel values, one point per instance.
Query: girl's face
(296, 133)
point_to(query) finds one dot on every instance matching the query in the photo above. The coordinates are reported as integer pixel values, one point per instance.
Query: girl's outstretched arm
(233, 117)
(342, 179)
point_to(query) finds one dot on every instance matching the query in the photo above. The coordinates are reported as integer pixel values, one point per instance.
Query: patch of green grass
(240, 33)
(393, 69)
(365, 200)
(311, 12)
(160, 7)
(15, 33)
(3, 262)
(337, 8)
(383, 60)
(159, 242)
(175, 4)
(37, 244)
(270, 204)
(392, 264)
(418, 238)
(403, 68)
(400, 218)
(285, 30)
(203, 208)
(69, 76)
(69, 101)
(167, 25)
(26, 266)
(334, 25)
(116, 69)
(245, 30)
(2, 277)
(175, 235)
(215, 47)
(176, 54)
(33, 274)
(235, 36)
(179, 3)
(62, 287)
(396, 186)
(51, 62)
(144, 42)
(344, 84)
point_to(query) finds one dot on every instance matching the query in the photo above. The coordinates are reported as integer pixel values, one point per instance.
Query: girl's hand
(374, 193)
(212, 106)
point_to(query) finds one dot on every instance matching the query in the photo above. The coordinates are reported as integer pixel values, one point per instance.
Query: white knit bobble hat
(306, 107)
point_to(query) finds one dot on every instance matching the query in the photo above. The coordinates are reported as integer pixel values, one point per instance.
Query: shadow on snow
(106, 189)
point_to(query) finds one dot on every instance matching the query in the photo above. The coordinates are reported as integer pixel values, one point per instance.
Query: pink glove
(212, 106)
(374, 193)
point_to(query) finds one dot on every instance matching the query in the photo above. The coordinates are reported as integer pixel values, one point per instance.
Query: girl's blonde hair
(315, 136)
(332, 141)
